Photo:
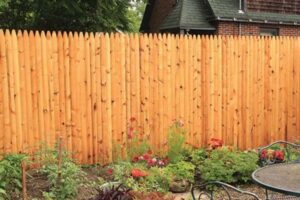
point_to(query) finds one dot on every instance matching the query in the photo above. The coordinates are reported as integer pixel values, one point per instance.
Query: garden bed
(143, 174)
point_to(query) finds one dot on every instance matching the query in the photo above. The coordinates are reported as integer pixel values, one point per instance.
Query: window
(269, 31)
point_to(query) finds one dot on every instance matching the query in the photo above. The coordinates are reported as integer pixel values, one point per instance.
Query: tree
(68, 15)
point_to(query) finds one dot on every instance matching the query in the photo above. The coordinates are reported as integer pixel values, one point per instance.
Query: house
(223, 17)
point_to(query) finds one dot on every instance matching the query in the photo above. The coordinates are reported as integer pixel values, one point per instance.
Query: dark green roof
(200, 14)
(188, 14)
(229, 9)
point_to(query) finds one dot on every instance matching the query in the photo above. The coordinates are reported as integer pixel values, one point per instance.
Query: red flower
(278, 155)
(135, 159)
(263, 154)
(215, 143)
(146, 156)
(109, 171)
(137, 173)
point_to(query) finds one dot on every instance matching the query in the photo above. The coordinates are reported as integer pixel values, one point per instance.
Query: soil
(37, 184)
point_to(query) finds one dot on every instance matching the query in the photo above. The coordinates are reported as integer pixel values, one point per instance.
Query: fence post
(24, 188)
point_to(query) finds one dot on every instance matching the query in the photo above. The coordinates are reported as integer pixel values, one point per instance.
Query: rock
(179, 186)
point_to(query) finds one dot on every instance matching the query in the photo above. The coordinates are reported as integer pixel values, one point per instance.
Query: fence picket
(86, 87)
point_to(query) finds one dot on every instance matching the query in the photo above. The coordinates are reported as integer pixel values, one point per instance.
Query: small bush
(11, 175)
(229, 166)
(180, 171)
(199, 156)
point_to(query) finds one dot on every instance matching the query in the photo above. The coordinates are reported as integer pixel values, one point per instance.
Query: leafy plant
(137, 144)
(199, 156)
(156, 181)
(176, 140)
(228, 166)
(11, 175)
(180, 171)
(65, 179)
(139, 178)
(119, 192)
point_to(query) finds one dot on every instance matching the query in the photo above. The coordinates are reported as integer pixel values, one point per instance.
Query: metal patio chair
(291, 153)
(216, 190)
(267, 156)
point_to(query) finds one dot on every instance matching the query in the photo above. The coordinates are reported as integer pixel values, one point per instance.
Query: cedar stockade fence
(86, 87)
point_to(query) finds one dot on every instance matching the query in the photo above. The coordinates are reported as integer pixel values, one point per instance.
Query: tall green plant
(65, 178)
(176, 140)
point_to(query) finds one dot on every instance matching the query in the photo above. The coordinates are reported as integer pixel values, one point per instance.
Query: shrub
(180, 171)
(228, 166)
(11, 175)
(199, 156)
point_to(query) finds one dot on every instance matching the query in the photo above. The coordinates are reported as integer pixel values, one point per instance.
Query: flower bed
(143, 173)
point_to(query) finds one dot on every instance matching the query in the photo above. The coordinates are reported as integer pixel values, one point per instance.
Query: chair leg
(267, 195)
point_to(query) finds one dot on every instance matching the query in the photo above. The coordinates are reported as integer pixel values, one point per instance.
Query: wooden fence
(86, 87)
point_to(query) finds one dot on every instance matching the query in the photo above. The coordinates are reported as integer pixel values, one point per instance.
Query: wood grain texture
(85, 88)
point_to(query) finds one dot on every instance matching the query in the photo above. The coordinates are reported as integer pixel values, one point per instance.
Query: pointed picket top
(91, 35)
(48, 35)
(19, 33)
(86, 36)
(13, 33)
(7, 33)
(75, 36)
(25, 33)
(43, 35)
(54, 36)
(37, 33)
(68, 34)
(80, 34)
(59, 34)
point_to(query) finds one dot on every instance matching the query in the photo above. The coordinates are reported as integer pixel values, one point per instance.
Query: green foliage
(199, 156)
(176, 140)
(135, 14)
(229, 166)
(180, 171)
(69, 15)
(64, 181)
(11, 175)
(157, 181)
